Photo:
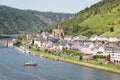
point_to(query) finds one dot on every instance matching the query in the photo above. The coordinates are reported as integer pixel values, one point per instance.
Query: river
(12, 68)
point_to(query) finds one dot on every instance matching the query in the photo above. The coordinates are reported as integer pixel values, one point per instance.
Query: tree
(80, 56)
(32, 42)
(18, 43)
(111, 29)
(94, 56)
(108, 57)
(19, 38)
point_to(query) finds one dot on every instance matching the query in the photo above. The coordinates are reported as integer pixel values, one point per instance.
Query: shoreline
(92, 66)
(81, 63)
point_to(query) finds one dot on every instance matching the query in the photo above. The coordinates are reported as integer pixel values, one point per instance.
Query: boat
(30, 63)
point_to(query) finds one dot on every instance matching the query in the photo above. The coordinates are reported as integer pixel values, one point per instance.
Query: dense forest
(102, 18)
(14, 20)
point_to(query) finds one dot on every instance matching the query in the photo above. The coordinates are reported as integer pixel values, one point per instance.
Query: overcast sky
(66, 6)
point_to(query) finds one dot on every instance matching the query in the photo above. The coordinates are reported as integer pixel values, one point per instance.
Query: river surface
(12, 68)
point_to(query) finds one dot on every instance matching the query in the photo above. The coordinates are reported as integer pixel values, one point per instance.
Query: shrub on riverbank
(101, 57)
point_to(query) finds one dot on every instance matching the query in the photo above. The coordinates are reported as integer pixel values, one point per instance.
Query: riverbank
(92, 64)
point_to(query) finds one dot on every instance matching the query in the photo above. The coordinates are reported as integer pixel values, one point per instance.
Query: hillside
(14, 21)
(102, 18)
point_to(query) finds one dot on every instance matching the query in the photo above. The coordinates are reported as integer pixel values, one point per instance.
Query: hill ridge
(102, 18)
(13, 20)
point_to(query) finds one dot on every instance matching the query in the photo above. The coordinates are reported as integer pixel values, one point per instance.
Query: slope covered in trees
(102, 18)
(13, 20)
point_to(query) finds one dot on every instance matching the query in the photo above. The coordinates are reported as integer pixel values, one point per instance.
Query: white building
(113, 39)
(114, 51)
(94, 37)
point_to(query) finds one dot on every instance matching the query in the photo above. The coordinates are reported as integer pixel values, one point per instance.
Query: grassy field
(102, 22)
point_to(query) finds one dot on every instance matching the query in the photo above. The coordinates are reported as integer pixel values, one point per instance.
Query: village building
(93, 38)
(58, 32)
(79, 37)
(114, 52)
(76, 45)
(86, 42)
(40, 43)
(118, 37)
(45, 35)
(113, 39)
(118, 43)
(68, 38)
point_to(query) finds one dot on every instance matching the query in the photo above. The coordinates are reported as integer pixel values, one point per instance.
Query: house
(64, 44)
(99, 38)
(101, 51)
(75, 38)
(81, 37)
(60, 47)
(86, 50)
(109, 49)
(118, 37)
(86, 42)
(118, 43)
(49, 44)
(115, 58)
(113, 39)
(99, 48)
(114, 52)
(29, 38)
(39, 42)
(93, 38)
(103, 38)
(55, 46)
(76, 45)
(68, 38)
(93, 49)
(45, 35)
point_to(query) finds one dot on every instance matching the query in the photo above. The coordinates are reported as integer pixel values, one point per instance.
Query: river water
(12, 68)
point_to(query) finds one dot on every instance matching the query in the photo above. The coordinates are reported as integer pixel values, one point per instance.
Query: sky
(66, 6)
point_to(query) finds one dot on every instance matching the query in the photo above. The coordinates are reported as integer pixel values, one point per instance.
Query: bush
(98, 57)
(94, 56)
(18, 43)
(108, 57)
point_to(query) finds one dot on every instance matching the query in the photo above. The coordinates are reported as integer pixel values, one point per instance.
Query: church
(58, 32)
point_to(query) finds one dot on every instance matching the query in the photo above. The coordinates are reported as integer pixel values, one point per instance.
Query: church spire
(58, 27)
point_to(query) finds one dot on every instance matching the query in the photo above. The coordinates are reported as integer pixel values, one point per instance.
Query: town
(102, 49)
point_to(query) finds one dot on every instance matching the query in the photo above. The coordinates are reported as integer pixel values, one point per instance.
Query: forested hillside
(14, 21)
(102, 18)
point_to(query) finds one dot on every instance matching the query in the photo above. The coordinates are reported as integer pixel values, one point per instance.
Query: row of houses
(105, 38)
(46, 41)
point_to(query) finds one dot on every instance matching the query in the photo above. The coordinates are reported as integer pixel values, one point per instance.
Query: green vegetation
(98, 57)
(109, 66)
(18, 41)
(74, 53)
(101, 57)
(102, 18)
(14, 21)
(108, 57)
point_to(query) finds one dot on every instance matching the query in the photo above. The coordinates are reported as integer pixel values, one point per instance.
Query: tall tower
(58, 27)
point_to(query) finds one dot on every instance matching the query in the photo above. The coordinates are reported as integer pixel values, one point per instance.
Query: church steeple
(58, 27)
(58, 32)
